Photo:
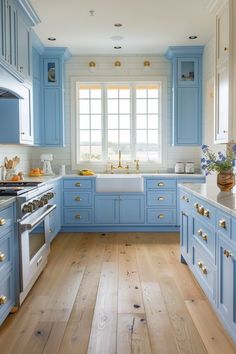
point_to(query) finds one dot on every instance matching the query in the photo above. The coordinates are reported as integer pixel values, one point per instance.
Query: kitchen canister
(179, 167)
(189, 167)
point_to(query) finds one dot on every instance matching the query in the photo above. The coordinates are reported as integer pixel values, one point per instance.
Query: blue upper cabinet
(186, 94)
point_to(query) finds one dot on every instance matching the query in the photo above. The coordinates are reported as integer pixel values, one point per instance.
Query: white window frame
(100, 166)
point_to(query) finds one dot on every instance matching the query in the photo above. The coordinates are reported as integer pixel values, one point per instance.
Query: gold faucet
(137, 167)
(119, 166)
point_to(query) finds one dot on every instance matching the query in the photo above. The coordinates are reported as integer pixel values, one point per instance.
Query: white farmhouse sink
(119, 183)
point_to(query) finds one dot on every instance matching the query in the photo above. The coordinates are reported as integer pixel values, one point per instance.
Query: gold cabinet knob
(2, 222)
(161, 198)
(200, 232)
(204, 270)
(161, 216)
(205, 237)
(2, 257)
(222, 224)
(206, 213)
(78, 199)
(160, 184)
(201, 210)
(78, 216)
(228, 253)
(50, 231)
(185, 198)
(225, 49)
(196, 205)
(200, 264)
(77, 184)
(3, 299)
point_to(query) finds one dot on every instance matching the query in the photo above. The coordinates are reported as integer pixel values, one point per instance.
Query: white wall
(23, 152)
(132, 66)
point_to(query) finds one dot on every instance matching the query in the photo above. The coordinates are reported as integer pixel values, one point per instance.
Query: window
(113, 117)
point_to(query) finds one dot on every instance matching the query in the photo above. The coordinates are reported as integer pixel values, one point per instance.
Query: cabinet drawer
(161, 183)
(80, 183)
(204, 211)
(77, 216)
(204, 270)
(159, 198)
(6, 219)
(6, 295)
(161, 216)
(223, 223)
(205, 235)
(78, 199)
(6, 251)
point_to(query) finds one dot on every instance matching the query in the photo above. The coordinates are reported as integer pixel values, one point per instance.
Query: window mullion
(133, 121)
(104, 124)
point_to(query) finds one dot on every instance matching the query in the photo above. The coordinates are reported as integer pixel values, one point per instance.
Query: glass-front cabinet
(187, 72)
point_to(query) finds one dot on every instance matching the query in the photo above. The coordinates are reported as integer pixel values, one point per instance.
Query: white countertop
(211, 193)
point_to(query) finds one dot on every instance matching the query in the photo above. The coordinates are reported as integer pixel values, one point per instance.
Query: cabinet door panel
(26, 124)
(222, 104)
(24, 48)
(222, 44)
(107, 209)
(51, 116)
(186, 235)
(188, 72)
(3, 29)
(187, 128)
(131, 209)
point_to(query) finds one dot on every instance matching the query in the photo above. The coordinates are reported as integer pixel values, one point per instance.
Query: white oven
(34, 247)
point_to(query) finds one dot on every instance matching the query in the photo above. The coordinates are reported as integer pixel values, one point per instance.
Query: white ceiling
(149, 26)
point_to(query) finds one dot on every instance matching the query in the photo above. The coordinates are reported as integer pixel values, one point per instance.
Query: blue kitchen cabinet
(24, 47)
(119, 209)
(186, 94)
(55, 215)
(186, 227)
(36, 96)
(227, 282)
(8, 261)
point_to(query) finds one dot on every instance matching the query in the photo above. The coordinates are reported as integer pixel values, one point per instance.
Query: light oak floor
(115, 293)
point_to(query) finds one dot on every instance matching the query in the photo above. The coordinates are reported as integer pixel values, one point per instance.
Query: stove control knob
(36, 204)
(28, 208)
(44, 199)
(41, 203)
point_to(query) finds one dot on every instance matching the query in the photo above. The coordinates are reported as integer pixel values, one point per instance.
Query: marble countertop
(211, 193)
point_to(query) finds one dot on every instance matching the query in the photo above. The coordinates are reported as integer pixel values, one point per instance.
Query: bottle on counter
(179, 167)
(189, 167)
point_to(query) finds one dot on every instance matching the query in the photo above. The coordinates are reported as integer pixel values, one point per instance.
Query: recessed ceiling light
(118, 25)
(192, 37)
(51, 38)
(117, 38)
(117, 47)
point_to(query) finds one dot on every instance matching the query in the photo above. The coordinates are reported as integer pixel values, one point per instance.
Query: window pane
(124, 136)
(153, 93)
(113, 137)
(95, 93)
(124, 106)
(84, 121)
(152, 137)
(124, 121)
(84, 153)
(141, 121)
(141, 93)
(141, 136)
(112, 106)
(84, 93)
(153, 155)
(152, 121)
(96, 106)
(124, 93)
(141, 153)
(112, 93)
(96, 137)
(84, 106)
(112, 121)
(153, 106)
(96, 153)
(125, 149)
(96, 121)
(84, 137)
(141, 106)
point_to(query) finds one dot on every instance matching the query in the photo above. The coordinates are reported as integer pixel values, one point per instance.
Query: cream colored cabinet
(225, 74)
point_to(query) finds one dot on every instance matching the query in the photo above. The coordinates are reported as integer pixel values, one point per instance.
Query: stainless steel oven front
(34, 247)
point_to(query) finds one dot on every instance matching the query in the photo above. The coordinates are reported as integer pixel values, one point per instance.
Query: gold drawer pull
(200, 232)
(228, 253)
(196, 205)
(78, 199)
(222, 224)
(205, 237)
(2, 257)
(77, 184)
(160, 198)
(3, 300)
(160, 184)
(185, 198)
(161, 216)
(201, 210)
(204, 270)
(200, 264)
(2, 222)
(206, 213)
(78, 216)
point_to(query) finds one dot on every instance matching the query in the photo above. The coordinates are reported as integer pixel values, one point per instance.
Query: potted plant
(222, 163)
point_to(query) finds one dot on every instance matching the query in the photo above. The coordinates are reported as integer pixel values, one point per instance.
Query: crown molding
(29, 11)
(214, 6)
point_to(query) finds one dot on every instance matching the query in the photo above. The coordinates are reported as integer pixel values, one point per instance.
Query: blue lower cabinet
(55, 215)
(77, 216)
(6, 251)
(160, 198)
(185, 236)
(7, 293)
(77, 199)
(119, 209)
(227, 283)
(205, 234)
(160, 216)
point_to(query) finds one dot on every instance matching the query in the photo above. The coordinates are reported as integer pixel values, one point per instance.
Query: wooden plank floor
(115, 294)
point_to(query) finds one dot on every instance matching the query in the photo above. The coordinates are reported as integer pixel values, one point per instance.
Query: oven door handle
(30, 226)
